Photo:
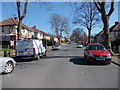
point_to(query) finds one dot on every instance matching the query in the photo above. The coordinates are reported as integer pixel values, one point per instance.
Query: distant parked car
(97, 53)
(79, 45)
(7, 65)
(56, 47)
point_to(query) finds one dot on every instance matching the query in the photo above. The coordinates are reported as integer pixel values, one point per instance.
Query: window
(2, 29)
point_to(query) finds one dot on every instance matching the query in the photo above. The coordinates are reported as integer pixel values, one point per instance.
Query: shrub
(48, 42)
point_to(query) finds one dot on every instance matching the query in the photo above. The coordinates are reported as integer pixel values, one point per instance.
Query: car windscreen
(96, 47)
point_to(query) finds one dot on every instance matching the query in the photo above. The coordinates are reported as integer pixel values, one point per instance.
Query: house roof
(37, 30)
(113, 28)
(34, 29)
(13, 21)
(117, 27)
(57, 36)
(100, 33)
(9, 21)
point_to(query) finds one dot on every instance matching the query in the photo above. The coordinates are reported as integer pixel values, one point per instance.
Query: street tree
(105, 16)
(78, 35)
(21, 13)
(59, 24)
(86, 15)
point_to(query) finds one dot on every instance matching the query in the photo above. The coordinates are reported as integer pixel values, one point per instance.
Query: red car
(97, 53)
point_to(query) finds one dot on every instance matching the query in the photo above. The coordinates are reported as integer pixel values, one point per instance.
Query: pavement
(116, 59)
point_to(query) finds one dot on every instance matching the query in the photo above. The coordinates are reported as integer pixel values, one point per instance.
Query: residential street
(65, 68)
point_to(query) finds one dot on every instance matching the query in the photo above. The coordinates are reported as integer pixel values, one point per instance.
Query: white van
(30, 48)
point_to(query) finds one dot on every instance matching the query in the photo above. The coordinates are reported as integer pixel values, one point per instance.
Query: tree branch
(18, 8)
(111, 9)
(25, 9)
(97, 6)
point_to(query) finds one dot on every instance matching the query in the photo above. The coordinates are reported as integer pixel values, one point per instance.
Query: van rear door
(24, 48)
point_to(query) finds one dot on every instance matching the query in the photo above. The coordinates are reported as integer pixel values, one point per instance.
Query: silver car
(79, 45)
(7, 65)
(56, 47)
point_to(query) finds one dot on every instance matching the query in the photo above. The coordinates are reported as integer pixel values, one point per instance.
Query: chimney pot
(34, 26)
(116, 23)
(15, 17)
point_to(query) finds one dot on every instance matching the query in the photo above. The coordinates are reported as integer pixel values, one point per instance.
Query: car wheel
(85, 57)
(38, 57)
(8, 67)
(87, 60)
(45, 54)
(108, 63)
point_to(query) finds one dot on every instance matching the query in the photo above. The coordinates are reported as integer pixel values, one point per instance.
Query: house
(45, 35)
(40, 34)
(56, 38)
(114, 37)
(37, 33)
(114, 33)
(53, 37)
(9, 31)
(99, 37)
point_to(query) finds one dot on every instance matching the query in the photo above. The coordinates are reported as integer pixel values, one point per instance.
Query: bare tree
(87, 15)
(78, 35)
(59, 24)
(105, 15)
(21, 14)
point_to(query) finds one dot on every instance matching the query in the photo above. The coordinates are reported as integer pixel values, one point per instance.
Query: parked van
(30, 48)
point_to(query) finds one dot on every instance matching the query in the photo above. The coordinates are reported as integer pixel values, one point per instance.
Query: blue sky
(39, 17)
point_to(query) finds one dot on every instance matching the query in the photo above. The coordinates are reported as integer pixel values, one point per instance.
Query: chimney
(34, 26)
(15, 17)
(116, 23)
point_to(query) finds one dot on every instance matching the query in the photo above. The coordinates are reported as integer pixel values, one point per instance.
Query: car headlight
(90, 54)
(109, 55)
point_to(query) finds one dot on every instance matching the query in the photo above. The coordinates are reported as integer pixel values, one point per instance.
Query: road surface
(65, 68)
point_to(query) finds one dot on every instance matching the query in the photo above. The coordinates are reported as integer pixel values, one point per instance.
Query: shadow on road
(78, 61)
(50, 57)
(24, 60)
(81, 61)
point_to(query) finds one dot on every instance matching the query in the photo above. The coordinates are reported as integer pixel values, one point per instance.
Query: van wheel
(38, 57)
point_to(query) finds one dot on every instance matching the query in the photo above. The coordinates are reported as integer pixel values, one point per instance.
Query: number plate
(100, 59)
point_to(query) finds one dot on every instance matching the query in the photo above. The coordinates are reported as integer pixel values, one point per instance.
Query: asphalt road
(65, 68)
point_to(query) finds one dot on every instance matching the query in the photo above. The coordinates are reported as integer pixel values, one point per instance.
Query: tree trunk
(89, 33)
(18, 29)
(107, 42)
(58, 40)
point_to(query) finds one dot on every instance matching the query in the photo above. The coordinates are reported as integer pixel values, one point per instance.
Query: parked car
(56, 47)
(97, 53)
(7, 65)
(30, 48)
(79, 45)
